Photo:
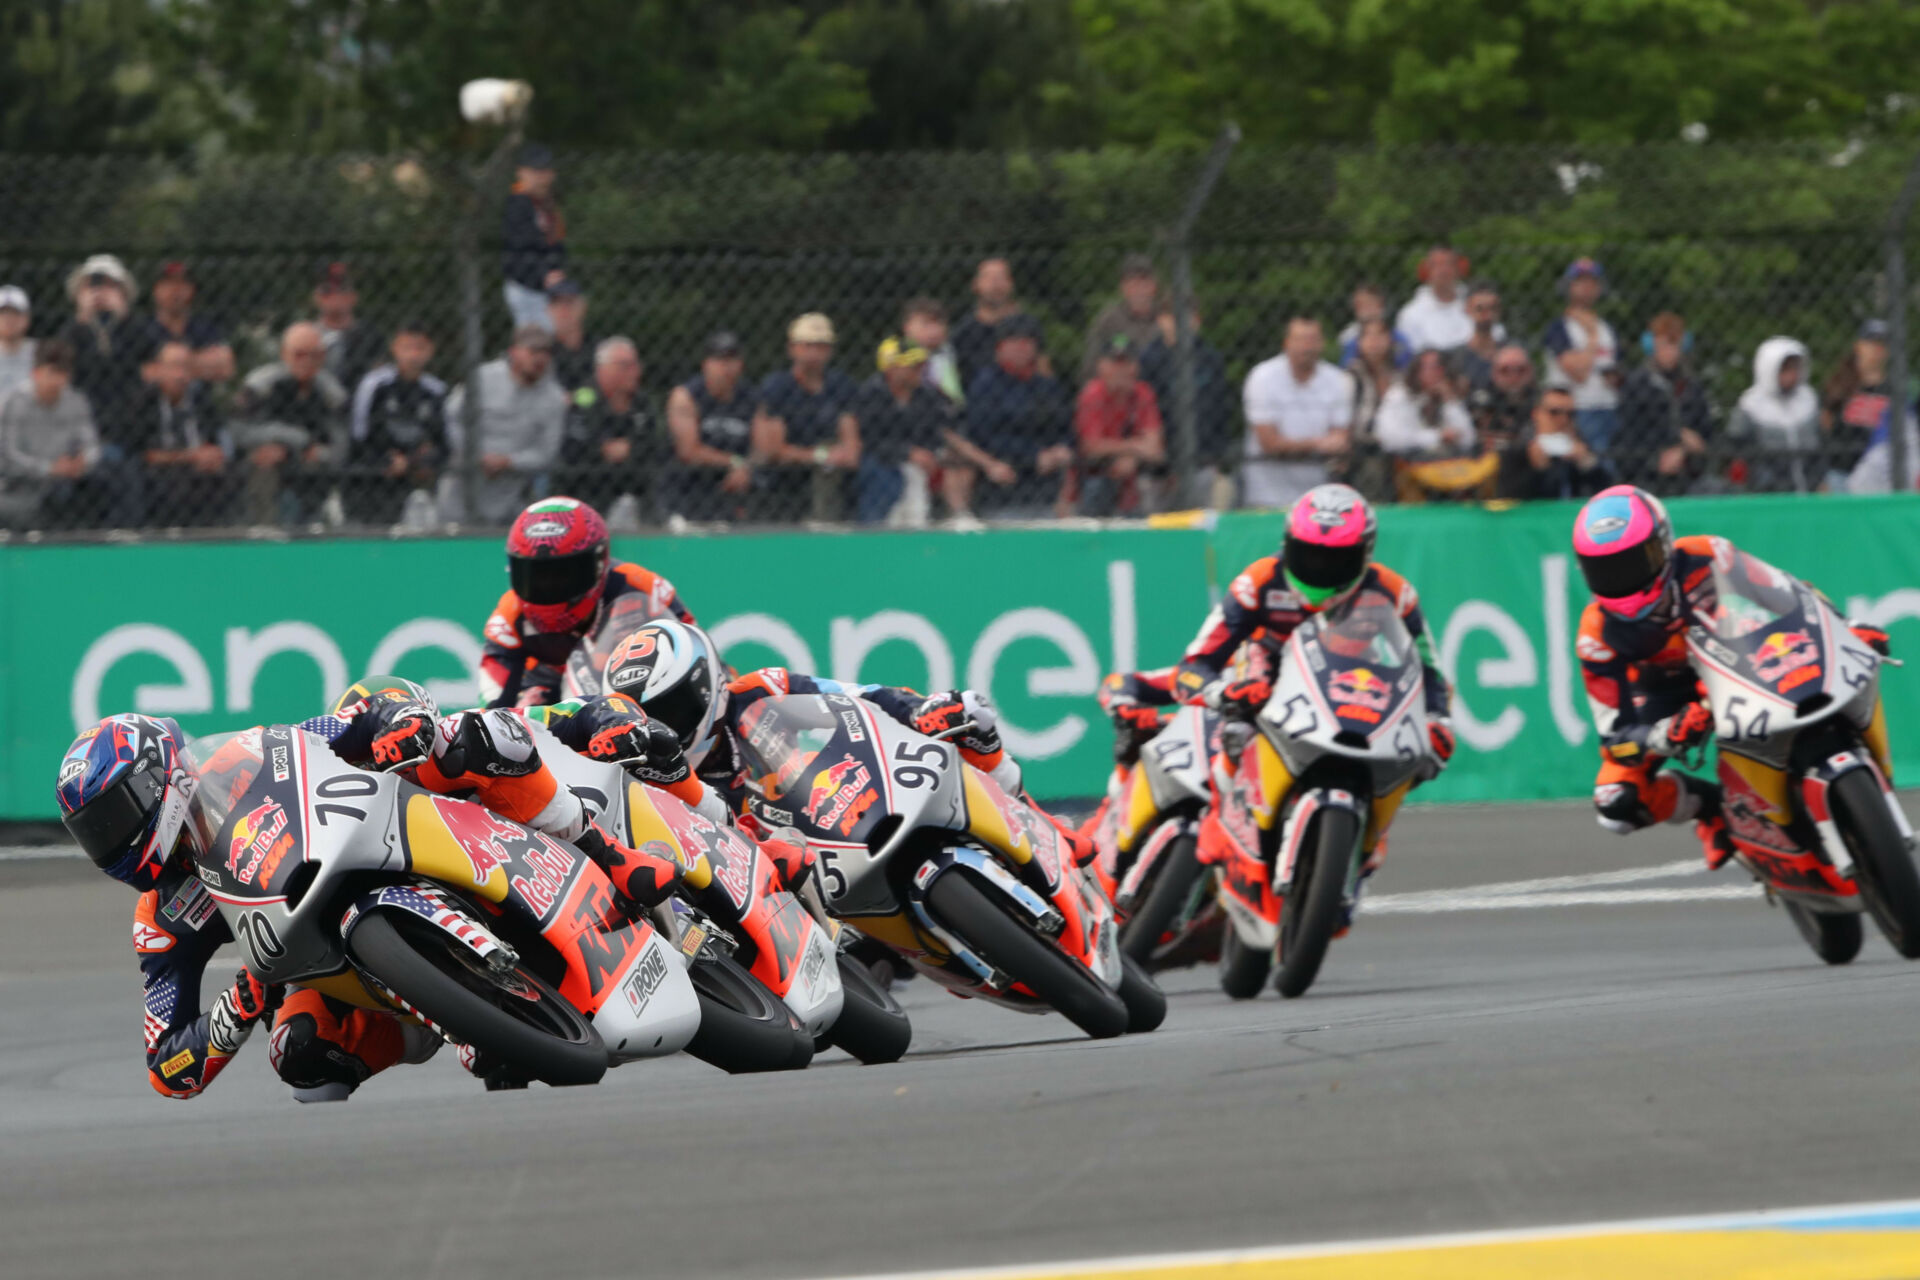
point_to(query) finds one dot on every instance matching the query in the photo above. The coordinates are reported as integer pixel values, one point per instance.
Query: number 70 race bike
(1310, 787)
(923, 852)
(1806, 780)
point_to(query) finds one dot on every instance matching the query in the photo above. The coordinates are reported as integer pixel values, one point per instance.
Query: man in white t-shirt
(1436, 316)
(1299, 409)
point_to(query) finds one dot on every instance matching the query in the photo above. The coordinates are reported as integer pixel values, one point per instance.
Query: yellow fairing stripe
(348, 989)
(433, 852)
(1141, 809)
(985, 820)
(1275, 781)
(1384, 808)
(644, 823)
(1768, 782)
(1876, 738)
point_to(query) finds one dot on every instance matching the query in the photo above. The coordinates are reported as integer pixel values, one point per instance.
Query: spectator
(1776, 423)
(16, 348)
(1117, 423)
(399, 435)
(353, 345)
(1299, 414)
(105, 338)
(1436, 316)
(1213, 419)
(923, 323)
(175, 448)
(975, 339)
(711, 418)
(802, 422)
(1583, 356)
(175, 320)
(522, 415)
(533, 238)
(1559, 463)
(1374, 372)
(613, 447)
(1422, 415)
(1855, 403)
(1664, 415)
(1369, 303)
(1503, 417)
(904, 425)
(48, 444)
(1019, 428)
(1472, 361)
(1131, 314)
(575, 355)
(289, 419)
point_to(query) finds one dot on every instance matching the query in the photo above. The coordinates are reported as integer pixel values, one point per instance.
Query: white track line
(1594, 889)
(37, 852)
(1757, 1219)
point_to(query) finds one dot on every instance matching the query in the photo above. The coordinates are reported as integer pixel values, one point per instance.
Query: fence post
(1897, 323)
(1180, 250)
(467, 259)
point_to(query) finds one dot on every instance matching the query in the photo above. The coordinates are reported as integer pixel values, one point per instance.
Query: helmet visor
(111, 824)
(1324, 568)
(1625, 573)
(554, 579)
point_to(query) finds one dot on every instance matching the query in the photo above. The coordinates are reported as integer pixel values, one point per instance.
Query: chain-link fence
(283, 344)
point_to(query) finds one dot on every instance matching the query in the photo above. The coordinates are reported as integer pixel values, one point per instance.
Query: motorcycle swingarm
(1294, 832)
(997, 879)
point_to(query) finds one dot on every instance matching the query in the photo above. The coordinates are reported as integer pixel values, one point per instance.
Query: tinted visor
(554, 579)
(681, 707)
(1328, 568)
(1624, 573)
(110, 825)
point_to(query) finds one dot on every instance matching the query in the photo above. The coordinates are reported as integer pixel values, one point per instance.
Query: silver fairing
(1301, 721)
(1175, 761)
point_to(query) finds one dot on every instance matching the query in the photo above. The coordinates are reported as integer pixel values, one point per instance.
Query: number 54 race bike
(1308, 790)
(383, 895)
(925, 853)
(1805, 775)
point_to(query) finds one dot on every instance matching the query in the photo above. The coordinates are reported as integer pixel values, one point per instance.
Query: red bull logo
(1359, 691)
(1782, 653)
(259, 832)
(835, 788)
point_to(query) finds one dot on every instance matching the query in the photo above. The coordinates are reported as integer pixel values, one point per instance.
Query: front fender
(1294, 833)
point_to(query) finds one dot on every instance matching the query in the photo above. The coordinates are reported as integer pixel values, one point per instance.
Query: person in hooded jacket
(1776, 424)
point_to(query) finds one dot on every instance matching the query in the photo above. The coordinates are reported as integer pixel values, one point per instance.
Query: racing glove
(1684, 730)
(644, 878)
(1873, 637)
(1440, 738)
(401, 733)
(944, 712)
(618, 732)
(1243, 699)
(237, 1009)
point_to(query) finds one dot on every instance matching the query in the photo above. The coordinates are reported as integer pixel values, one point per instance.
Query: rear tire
(1834, 938)
(1169, 896)
(1311, 915)
(1146, 1002)
(872, 1026)
(1881, 864)
(1010, 944)
(744, 1028)
(527, 1027)
(1243, 969)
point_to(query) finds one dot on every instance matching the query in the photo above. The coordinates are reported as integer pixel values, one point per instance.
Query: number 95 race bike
(1806, 779)
(1310, 788)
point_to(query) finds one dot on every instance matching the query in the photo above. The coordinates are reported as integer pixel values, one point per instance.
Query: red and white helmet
(1330, 536)
(557, 556)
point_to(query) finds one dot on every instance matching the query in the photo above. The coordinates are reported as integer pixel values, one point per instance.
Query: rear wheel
(1243, 969)
(1881, 864)
(1011, 945)
(872, 1026)
(1166, 901)
(744, 1028)
(1834, 938)
(1146, 1002)
(1313, 910)
(510, 1016)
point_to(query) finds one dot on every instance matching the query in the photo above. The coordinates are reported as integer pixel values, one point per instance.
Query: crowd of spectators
(125, 416)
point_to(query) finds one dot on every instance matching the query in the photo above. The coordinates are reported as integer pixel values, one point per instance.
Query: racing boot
(1702, 799)
(644, 879)
(325, 1049)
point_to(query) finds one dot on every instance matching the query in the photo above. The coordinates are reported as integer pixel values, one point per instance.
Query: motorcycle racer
(1647, 703)
(562, 578)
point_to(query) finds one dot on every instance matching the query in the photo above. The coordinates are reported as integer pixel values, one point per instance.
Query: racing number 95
(918, 773)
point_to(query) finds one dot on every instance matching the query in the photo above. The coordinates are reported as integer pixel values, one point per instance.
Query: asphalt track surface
(1613, 1043)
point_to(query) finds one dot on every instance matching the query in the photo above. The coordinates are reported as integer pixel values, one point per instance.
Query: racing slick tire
(1146, 1002)
(1011, 945)
(1834, 938)
(1312, 912)
(1882, 864)
(872, 1026)
(744, 1028)
(514, 1018)
(1170, 895)
(1243, 969)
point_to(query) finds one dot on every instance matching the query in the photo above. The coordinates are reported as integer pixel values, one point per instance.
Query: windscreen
(781, 737)
(1360, 653)
(626, 616)
(1763, 618)
(227, 764)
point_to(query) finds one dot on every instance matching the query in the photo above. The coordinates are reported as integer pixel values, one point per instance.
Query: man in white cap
(16, 348)
(108, 342)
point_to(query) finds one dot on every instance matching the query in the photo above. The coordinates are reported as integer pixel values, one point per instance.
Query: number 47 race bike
(1806, 780)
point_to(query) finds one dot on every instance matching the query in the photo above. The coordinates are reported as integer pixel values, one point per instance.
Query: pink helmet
(1625, 545)
(1330, 534)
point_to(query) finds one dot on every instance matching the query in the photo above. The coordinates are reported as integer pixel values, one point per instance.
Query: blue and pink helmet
(1625, 545)
(1330, 536)
(124, 787)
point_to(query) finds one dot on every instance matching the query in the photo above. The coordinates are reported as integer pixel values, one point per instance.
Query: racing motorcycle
(1803, 763)
(1309, 787)
(928, 855)
(787, 943)
(1148, 843)
(383, 895)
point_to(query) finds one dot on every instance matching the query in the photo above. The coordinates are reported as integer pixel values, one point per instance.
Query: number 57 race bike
(383, 895)
(918, 849)
(1805, 777)
(1308, 790)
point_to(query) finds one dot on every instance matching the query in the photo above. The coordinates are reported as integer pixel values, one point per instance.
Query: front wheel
(1834, 938)
(1010, 945)
(872, 1026)
(1881, 863)
(744, 1028)
(511, 1016)
(1146, 1002)
(1243, 969)
(1313, 910)
(1165, 902)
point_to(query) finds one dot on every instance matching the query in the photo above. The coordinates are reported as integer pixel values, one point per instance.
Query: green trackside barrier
(221, 634)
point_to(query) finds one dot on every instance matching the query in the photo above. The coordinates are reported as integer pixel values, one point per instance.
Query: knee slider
(301, 1057)
(1620, 808)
